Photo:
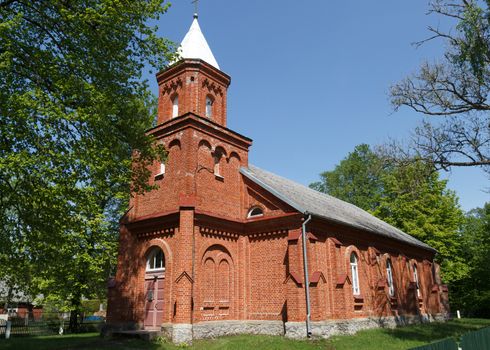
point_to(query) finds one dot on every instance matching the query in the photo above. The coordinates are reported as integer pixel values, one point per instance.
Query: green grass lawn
(385, 339)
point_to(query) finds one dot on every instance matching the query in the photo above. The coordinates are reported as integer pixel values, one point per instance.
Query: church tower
(160, 279)
(195, 84)
(204, 156)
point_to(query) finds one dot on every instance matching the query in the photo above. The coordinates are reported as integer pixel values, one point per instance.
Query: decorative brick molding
(341, 279)
(213, 232)
(171, 86)
(160, 233)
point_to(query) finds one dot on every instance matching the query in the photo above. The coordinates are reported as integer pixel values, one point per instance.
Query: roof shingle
(307, 200)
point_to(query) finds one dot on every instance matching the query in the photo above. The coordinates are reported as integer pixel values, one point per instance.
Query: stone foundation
(185, 333)
(215, 329)
(326, 329)
(182, 333)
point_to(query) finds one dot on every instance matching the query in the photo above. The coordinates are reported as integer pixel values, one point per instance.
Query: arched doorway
(154, 277)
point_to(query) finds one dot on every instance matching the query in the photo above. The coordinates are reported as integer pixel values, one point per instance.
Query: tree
(410, 197)
(357, 179)
(74, 111)
(472, 293)
(455, 88)
(416, 201)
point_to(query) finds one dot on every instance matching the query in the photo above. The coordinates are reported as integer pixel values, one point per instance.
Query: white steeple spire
(195, 45)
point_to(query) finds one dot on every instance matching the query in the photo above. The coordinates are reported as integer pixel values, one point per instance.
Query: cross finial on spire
(196, 8)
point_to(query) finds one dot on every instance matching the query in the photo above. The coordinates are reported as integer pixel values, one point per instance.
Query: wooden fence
(30, 327)
(3, 328)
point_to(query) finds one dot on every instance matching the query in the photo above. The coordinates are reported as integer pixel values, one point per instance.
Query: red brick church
(223, 247)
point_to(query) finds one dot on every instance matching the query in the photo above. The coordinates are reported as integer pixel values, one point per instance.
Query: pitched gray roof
(307, 200)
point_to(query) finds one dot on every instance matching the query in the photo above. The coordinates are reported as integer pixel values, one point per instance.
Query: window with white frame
(389, 275)
(255, 212)
(416, 279)
(355, 274)
(162, 169)
(209, 107)
(155, 260)
(175, 106)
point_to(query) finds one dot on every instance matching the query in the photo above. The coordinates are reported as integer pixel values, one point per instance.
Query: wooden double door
(154, 299)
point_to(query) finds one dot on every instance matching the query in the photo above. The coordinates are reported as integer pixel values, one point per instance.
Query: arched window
(217, 160)
(162, 169)
(255, 212)
(389, 275)
(175, 106)
(209, 107)
(355, 275)
(155, 260)
(416, 279)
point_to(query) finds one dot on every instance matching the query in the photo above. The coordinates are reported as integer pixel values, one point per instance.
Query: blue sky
(310, 79)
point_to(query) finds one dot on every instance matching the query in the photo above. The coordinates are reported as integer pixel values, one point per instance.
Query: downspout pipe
(306, 277)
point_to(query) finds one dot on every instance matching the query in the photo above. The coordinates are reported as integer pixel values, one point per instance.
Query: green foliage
(74, 111)
(472, 293)
(357, 179)
(410, 197)
(471, 50)
(91, 306)
(416, 201)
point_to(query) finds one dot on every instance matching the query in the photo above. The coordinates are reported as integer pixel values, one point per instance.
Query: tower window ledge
(159, 176)
(219, 177)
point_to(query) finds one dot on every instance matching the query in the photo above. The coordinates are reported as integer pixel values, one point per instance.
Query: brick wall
(192, 81)
(221, 265)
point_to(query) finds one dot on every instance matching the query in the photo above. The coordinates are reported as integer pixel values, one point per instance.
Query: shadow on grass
(430, 332)
(90, 341)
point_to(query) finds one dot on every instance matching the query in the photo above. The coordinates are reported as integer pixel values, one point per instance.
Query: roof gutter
(306, 277)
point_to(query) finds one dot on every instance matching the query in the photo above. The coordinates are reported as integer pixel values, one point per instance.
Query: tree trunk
(73, 327)
(74, 313)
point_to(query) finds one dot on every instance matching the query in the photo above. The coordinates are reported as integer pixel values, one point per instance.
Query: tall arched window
(355, 275)
(155, 260)
(416, 279)
(162, 169)
(218, 154)
(389, 275)
(209, 107)
(175, 106)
